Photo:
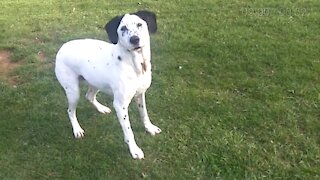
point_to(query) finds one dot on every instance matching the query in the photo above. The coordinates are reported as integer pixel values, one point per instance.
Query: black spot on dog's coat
(81, 78)
(119, 58)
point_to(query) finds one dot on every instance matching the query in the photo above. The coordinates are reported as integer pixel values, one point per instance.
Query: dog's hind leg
(91, 96)
(73, 95)
(141, 103)
(70, 82)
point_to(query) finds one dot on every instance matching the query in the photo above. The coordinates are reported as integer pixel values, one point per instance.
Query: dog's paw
(78, 133)
(103, 109)
(153, 130)
(136, 152)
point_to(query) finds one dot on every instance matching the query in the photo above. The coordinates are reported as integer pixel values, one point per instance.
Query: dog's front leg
(141, 103)
(122, 113)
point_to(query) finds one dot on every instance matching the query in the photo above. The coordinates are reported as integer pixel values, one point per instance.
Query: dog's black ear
(111, 28)
(150, 18)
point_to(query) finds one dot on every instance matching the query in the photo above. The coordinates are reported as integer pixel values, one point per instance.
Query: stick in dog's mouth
(139, 60)
(144, 66)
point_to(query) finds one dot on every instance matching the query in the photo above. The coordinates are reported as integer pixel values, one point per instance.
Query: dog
(121, 68)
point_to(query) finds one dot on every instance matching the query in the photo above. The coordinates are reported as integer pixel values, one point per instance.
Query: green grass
(243, 105)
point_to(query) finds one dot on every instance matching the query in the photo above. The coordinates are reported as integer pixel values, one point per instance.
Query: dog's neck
(140, 58)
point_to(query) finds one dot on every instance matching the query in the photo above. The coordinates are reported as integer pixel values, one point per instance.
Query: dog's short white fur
(122, 69)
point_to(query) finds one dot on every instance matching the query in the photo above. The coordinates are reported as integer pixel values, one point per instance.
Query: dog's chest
(145, 82)
(129, 76)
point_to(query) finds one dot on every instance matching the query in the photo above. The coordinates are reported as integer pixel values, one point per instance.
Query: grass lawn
(235, 91)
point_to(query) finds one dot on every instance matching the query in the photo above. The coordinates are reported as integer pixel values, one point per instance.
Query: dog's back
(89, 59)
(83, 51)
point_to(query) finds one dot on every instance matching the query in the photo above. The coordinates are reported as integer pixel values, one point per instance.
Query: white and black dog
(122, 69)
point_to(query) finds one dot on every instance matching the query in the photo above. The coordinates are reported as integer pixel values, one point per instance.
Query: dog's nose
(134, 40)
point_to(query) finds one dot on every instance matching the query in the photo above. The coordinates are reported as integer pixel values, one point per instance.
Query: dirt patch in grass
(6, 66)
(41, 56)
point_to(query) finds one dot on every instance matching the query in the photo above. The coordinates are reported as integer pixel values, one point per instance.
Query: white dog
(122, 69)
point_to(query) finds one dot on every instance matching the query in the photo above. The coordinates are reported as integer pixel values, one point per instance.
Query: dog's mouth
(137, 48)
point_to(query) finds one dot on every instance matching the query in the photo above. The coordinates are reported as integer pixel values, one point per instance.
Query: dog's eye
(139, 25)
(124, 28)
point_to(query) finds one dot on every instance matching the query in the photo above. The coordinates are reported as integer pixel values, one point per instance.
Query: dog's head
(132, 30)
